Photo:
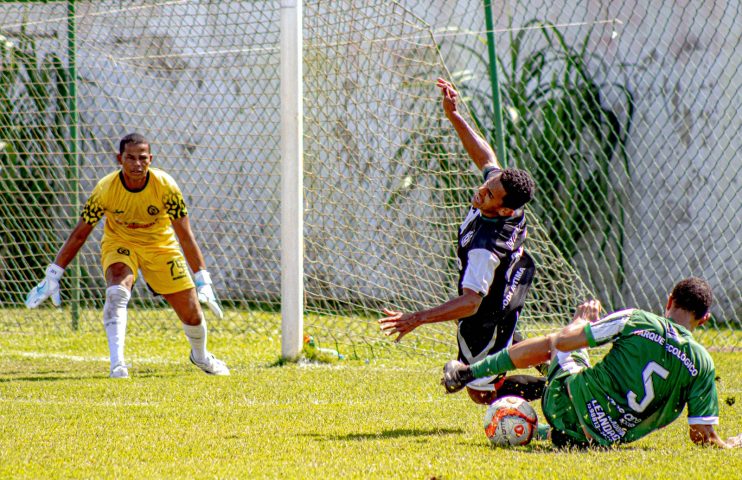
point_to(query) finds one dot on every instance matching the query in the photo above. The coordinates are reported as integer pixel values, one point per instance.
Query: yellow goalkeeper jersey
(140, 217)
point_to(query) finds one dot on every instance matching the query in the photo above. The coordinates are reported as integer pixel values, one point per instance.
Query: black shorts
(491, 329)
(477, 336)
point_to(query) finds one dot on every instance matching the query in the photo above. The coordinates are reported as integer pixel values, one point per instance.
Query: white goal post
(292, 181)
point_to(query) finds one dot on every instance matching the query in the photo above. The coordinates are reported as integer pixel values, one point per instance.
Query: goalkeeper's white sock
(114, 321)
(196, 335)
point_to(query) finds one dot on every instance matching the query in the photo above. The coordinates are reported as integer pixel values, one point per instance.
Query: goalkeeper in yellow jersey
(145, 211)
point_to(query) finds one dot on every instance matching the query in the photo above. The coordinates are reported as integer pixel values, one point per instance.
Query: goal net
(386, 180)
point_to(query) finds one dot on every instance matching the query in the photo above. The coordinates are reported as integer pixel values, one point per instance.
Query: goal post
(292, 181)
(74, 159)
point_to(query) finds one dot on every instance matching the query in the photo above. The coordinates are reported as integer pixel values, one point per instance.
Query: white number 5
(652, 367)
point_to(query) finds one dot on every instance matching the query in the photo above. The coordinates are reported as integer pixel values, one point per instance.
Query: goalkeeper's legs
(114, 321)
(185, 303)
(196, 335)
(119, 267)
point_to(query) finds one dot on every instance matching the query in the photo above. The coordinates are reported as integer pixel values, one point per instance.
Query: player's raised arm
(573, 337)
(49, 287)
(477, 147)
(195, 259)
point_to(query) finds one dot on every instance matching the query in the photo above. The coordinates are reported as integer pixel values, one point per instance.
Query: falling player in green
(653, 370)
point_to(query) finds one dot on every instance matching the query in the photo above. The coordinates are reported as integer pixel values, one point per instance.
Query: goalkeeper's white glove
(49, 287)
(206, 293)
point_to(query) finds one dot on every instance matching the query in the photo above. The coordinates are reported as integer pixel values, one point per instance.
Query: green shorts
(556, 403)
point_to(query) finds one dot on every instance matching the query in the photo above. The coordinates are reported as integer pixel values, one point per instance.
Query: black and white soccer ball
(510, 420)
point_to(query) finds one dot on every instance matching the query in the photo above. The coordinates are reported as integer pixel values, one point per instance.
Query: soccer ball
(510, 420)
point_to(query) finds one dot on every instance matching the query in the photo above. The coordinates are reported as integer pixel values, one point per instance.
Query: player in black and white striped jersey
(495, 272)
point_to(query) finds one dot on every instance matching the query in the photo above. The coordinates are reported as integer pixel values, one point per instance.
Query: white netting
(386, 180)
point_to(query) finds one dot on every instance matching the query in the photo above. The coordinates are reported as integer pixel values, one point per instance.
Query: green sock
(542, 432)
(494, 364)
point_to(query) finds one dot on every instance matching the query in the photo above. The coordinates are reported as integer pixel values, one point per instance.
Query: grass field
(61, 417)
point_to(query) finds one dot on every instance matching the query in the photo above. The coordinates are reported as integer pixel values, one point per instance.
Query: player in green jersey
(653, 370)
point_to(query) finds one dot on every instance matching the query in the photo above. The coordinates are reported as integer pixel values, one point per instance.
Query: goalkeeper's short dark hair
(693, 295)
(132, 139)
(519, 187)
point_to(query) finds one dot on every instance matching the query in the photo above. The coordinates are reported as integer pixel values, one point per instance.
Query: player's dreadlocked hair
(519, 187)
(131, 139)
(693, 295)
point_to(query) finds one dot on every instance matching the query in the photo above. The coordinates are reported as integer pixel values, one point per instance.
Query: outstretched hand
(588, 311)
(449, 96)
(398, 322)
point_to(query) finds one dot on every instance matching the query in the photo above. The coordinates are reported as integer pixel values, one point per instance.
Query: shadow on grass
(545, 446)
(539, 447)
(387, 434)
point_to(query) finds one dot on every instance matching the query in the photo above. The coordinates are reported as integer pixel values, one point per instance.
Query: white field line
(161, 361)
(238, 402)
(80, 358)
(16, 401)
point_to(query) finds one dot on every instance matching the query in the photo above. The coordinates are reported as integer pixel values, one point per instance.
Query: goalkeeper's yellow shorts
(163, 266)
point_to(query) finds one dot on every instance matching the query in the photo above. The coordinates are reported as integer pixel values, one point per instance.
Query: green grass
(61, 417)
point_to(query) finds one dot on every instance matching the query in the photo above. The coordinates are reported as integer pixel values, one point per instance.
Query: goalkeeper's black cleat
(455, 376)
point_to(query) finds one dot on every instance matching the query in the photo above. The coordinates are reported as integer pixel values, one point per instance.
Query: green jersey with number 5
(654, 368)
